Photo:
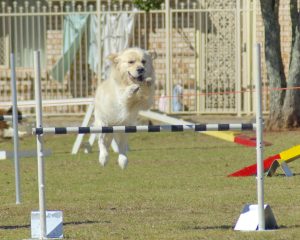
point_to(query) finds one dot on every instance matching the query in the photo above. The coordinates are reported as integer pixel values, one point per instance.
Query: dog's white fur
(129, 89)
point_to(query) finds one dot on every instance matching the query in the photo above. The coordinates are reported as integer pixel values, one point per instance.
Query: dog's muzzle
(139, 78)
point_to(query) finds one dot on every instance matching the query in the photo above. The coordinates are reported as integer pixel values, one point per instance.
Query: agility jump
(39, 131)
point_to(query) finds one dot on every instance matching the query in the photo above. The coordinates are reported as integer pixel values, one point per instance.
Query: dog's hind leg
(104, 142)
(122, 142)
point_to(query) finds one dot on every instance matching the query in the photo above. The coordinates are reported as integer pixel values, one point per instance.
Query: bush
(148, 5)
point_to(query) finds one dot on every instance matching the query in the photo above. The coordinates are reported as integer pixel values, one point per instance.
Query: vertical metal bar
(4, 73)
(176, 52)
(238, 57)
(181, 78)
(145, 30)
(50, 31)
(168, 64)
(79, 9)
(27, 44)
(99, 41)
(139, 29)
(253, 40)
(38, 3)
(16, 38)
(218, 97)
(197, 28)
(86, 78)
(74, 61)
(40, 145)
(3, 20)
(69, 57)
(249, 43)
(62, 51)
(21, 53)
(196, 43)
(5, 46)
(259, 140)
(150, 30)
(133, 26)
(33, 28)
(57, 91)
(207, 101)
(46, 52)
(11, 49)
(15, 126)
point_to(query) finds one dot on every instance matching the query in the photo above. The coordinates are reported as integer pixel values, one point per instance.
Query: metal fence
(204, 50)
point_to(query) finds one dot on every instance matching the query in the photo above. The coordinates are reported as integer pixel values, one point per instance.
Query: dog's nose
(140, 70)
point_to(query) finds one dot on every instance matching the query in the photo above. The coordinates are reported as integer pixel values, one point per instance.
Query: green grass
(175, 187)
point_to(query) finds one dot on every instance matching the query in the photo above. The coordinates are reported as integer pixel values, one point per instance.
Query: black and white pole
(39, 142)
(16, 130)
(10, 117)
(146, 128)
(259, 141)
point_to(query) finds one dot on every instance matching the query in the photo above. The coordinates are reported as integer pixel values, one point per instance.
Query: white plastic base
(248, 220)
(54, 224)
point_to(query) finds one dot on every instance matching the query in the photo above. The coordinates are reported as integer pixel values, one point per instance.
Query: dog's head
(134, 65)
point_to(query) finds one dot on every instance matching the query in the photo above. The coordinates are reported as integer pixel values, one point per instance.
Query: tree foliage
(148, 5)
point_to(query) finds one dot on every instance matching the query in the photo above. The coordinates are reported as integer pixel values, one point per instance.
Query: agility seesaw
(272, 163)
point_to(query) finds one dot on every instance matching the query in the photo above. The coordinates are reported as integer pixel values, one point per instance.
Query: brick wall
(54, 44)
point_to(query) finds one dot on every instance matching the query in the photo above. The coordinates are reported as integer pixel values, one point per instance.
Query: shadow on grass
(222, 227)
(86, 222)
(14, 227)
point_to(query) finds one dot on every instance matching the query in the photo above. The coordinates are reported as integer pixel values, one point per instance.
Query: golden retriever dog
(128, 89)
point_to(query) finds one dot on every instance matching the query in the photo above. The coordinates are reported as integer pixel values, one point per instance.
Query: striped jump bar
(10, 117)
(145, 128)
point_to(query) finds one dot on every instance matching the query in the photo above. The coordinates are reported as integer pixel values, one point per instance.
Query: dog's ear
(113, 57)
(152, 53)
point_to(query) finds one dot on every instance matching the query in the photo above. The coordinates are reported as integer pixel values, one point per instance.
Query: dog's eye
(131, 62)
(143, 62)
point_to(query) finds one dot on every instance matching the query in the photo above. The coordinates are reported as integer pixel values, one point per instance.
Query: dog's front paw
(148, 81)
(133, 89)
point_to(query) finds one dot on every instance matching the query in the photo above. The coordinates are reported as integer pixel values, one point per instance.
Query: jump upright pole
(40, 143)
(15, 127)
(259, 140)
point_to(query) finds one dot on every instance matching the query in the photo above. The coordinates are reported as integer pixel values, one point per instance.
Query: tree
(284, 104)
(147, 5)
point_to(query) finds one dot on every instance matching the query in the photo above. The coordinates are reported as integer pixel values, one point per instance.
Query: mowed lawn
(175, 187)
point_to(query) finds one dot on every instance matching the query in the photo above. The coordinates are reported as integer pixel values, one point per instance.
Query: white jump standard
(145, 128)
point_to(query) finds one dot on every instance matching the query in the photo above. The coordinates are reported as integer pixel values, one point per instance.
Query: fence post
(99, 42)
(238, 101)
(168, 63)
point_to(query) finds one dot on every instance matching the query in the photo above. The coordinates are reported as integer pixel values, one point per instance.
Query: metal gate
(211, 51)
(203, 51)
